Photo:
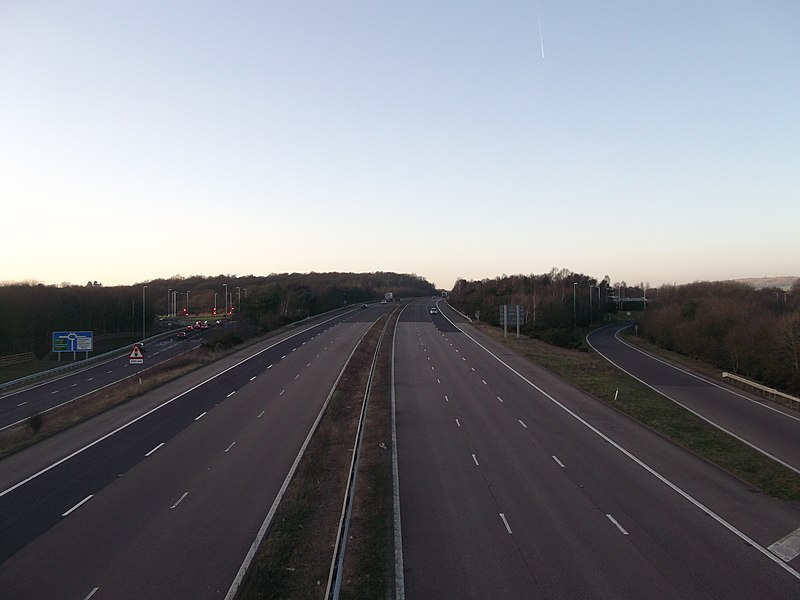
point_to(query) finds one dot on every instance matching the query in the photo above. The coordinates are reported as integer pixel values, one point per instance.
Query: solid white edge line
(399, 575)
(237, 580)
(740, 534)
(614, 521)
(261, 414)
(458, 422)
(558, 462)
(475, 458)
(201, 415)
(252, 378)
(231, 394)
(231, 446)
(78, 505)
(499, 398)
(694, 412)
(152, 410)
(154, 449)
(521, 422)
(505, 522)
(690, 374)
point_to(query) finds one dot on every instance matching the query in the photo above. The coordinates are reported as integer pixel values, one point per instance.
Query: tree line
(752, 332)
(555, 304)
(749, 332)
(32, 311)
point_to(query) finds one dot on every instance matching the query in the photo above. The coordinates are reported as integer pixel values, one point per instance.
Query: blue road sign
(73, 341)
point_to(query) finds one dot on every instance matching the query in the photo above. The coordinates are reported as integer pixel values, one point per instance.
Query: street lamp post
(169, 302)
(215, 302)
(238, 298)
(574, 303)
(226, 298)
(187, 304)
(590, 304)
(144, 287)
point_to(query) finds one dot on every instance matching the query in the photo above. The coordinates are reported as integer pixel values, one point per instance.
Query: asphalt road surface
(514, 484)
(769, 427)
(167, 505)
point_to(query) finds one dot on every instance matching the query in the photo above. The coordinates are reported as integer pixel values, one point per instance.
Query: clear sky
(650, 141)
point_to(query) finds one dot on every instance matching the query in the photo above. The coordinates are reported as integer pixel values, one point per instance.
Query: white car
(434, 311)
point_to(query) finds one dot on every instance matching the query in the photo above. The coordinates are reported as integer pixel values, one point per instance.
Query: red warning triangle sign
(136, 353)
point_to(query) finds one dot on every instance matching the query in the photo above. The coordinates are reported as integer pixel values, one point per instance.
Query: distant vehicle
(363, 306)
(434, 311)
(204, 325)
(181, 335)
(189, 329)
(388, 296)
(383, 301)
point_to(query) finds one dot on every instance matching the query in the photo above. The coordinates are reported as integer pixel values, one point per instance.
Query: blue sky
(655, 142)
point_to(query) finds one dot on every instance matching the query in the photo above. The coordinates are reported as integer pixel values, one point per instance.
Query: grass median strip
(591, 373)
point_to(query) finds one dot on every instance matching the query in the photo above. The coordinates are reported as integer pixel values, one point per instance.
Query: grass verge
(294, 558)
(594, 375)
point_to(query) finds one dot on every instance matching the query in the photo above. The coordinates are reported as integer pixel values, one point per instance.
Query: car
(434, 310)
(383, 301)
(181, 335)
(363, 306)
(204, 325)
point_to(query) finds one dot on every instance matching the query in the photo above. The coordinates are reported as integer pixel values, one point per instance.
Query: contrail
(541, 37)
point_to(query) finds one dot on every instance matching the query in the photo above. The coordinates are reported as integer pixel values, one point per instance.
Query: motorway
(514, 484)
(19, 405)
(168, 503)
(768, 427)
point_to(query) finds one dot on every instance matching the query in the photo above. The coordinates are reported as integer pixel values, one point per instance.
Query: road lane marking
(281, 394)
(200, 416)
(252, 378)
(90, 379)
(74, 385)
(21, 404)
(446, 399)
(154, 449)
(293, 349)
(261, 414)
(111, 371)
(438, 380)
(231, 446)
(558, 462)
(269, 367)
(787, 548)
(459, 424)
(685, 495)
(78, 505)
(55, 392)
(92, 593)
(473, 368)
(614, 521)
(282, 357)
(505, 522)
(433, 368)
(521, 422)
(231, 394)
(308, 365)
(484, 382)
(499, 398)
(475, 458)
(297, 376)
(180, 499)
